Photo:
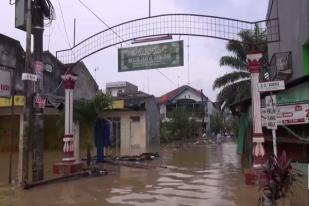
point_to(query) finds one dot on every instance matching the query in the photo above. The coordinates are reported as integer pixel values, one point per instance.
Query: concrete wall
(153, 125)
(163, 111)
(12, 55)
(128, 142)
(52, 79)
(294, 31)
(125, 87)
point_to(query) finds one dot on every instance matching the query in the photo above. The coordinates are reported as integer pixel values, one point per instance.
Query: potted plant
(276, 179)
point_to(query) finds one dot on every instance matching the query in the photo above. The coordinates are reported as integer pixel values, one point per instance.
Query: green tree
(181, 126)
(235, 86)
(216, 123)
(86, 112)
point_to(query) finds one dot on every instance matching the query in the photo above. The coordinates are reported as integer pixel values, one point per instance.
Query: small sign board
(30, 77)
(294, 114)
(40, 101)
(151, 56)
(5, 83)
(7, 102)
(117, 104)
(48, 68)
(38, 66)
(271, 112)
(271, 86)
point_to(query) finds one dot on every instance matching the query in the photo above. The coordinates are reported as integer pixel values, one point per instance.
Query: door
(135, 136)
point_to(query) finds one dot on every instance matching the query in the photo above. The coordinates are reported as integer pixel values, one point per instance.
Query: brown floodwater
(208, 175)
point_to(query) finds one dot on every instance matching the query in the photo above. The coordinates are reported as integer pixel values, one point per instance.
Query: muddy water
(200, 175)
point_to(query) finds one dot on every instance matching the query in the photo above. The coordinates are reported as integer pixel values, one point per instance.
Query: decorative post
(68, 144)
(254, 66)
(69, 163)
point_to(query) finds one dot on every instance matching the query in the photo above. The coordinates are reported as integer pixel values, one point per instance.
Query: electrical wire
(82, 3)
(65, 29)
(166, 77)
(117, 34)
(306, 139)
(108, 28)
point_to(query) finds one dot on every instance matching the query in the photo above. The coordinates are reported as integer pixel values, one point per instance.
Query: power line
(188, 46)
(65, 29)
(166, 77)
(82, 3)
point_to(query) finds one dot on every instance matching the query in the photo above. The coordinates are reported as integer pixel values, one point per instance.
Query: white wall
(187, 94)
(163, 110)
(130, 145)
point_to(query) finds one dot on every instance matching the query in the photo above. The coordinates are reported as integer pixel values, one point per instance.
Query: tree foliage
(216, 123)
(181, 126)
(86, 111)
(235, 86)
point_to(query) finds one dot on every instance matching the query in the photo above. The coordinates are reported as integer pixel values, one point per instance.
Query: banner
(289, 114)
(6, 102)
(150, 56)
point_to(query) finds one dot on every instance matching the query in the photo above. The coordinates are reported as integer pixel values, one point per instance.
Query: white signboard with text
(271, 86)
(5, 83)
(271, 112)
(289, 114)
(30, 77)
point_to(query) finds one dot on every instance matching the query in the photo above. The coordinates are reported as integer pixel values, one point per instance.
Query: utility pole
(28, 91)
(203, 112)
(38, 129)
(149, 8)
(74, 32)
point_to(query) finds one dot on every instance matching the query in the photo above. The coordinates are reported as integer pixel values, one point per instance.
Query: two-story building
(289, 61)
(135, 120)
(12, 58)
(189, 98)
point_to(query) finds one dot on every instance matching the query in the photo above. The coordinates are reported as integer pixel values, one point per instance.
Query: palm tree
(86, 112)
(235, 85)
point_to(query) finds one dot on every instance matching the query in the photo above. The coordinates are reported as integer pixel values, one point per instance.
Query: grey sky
(204, 53)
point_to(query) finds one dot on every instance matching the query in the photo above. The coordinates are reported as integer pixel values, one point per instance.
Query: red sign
(5, 83)
(38, 66)
(5, 87)
(40, 102)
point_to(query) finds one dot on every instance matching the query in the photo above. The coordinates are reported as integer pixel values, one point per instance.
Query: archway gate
(169, 24)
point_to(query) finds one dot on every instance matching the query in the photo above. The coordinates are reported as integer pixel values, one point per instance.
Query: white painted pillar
(68, 139)
(254, 65)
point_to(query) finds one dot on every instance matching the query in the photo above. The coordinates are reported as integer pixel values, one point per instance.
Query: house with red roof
(189, 98)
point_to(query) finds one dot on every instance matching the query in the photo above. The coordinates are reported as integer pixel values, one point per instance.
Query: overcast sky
(204, 53)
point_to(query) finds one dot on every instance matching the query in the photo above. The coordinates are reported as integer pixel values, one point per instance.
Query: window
(135, 118)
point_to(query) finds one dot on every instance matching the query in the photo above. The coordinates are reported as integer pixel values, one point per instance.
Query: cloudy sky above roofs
(204, 53)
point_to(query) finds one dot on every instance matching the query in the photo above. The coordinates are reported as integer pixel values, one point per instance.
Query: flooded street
(208, 175)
